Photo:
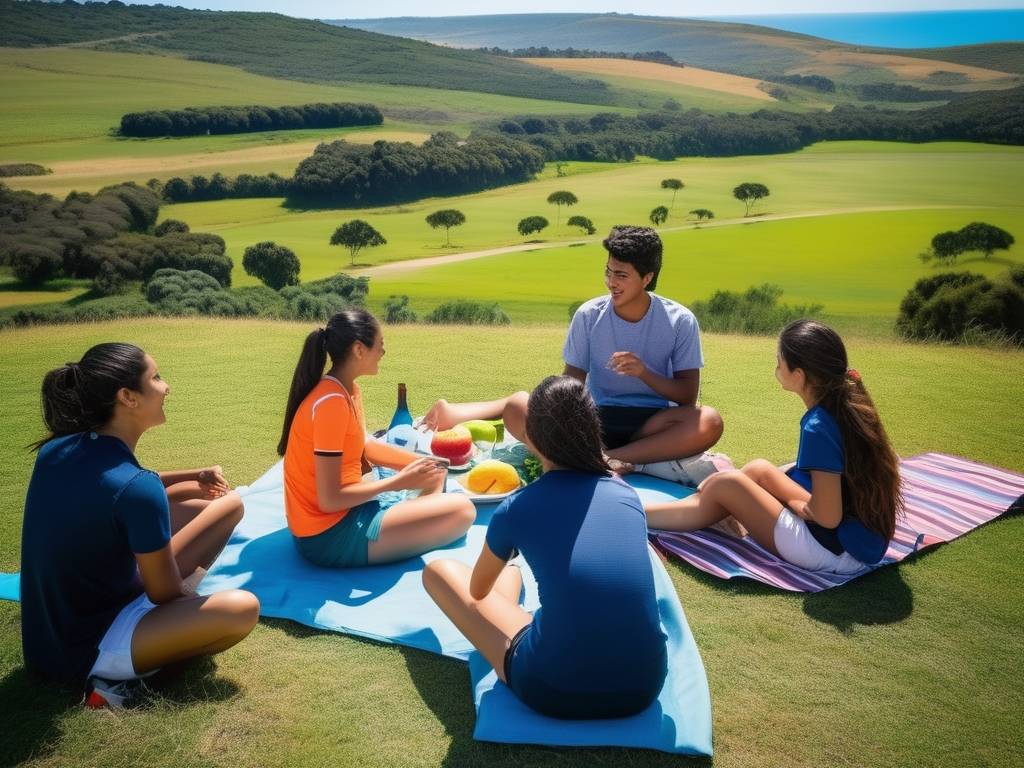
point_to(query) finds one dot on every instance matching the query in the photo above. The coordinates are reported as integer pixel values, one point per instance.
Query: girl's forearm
(174, 476)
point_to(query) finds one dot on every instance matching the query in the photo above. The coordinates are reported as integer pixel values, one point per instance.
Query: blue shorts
(345, 544)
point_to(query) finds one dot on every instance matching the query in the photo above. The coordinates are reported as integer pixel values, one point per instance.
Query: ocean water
(926, 29)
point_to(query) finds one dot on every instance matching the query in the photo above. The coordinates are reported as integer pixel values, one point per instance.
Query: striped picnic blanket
(946, 496)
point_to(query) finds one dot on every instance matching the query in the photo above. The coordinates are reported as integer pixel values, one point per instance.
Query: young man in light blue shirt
(640, 357)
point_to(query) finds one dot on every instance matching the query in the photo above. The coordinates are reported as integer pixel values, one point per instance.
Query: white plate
(485, 498)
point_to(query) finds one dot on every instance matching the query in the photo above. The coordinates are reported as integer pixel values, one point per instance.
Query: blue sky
(328, 9)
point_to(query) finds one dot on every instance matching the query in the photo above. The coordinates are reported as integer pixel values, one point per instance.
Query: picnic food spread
(455, 444)
(492, 476)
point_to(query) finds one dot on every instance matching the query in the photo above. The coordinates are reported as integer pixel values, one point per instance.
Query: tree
(749, 192)
(531, 224)
(702, 214)
(659, 215)
(356, 235)
(946, 246)
(169, 226)
(979, 236)
(559, 199)
(275, 265)
(675, 185)
(583, 223)
(446, 218)
(560, 169)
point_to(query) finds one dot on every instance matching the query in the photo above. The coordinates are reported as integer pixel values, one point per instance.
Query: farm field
(289, 696)
(685, 84)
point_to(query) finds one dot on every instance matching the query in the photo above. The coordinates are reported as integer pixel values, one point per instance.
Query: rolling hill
(741, 49)
(284, 47)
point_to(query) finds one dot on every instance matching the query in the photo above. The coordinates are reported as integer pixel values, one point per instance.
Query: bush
(274, 265)
(23, 169)
(462, 312)
(34, 264)
(956, 306)
(173, 283)
(109, 281)
(169, 227)
(757, 311)
(397, 310)
(196, 121)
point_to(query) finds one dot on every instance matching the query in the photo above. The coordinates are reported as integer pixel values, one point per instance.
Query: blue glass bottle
(402, 415)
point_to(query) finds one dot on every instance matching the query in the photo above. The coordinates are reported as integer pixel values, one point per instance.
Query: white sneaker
(691, 470)
(115, 694)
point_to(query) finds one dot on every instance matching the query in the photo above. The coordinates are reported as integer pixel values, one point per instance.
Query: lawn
(874, 673)
(849, 176)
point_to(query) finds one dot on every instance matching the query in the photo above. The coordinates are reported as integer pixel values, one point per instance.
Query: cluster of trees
(962, 306)
(996, 117)
(219, 187)
(23, 169)
(197, 121)
(976, 236)
(543, 52)
(815, 82)
(387, 172)
(901, 92)
(42, 237)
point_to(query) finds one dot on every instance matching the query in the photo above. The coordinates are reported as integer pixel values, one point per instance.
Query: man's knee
(711, 423)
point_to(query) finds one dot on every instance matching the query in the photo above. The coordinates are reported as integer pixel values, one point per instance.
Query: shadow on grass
(444, 685)
(880, 597)
(32, 709)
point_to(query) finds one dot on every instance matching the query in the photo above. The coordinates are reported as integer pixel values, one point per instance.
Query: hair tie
(853, 374)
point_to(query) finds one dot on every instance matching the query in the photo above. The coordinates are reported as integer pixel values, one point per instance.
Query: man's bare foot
(619, 467)
(440, 416)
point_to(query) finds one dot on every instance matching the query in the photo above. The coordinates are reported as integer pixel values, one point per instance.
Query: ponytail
(871, 465)
(335, 340)
(80, 397)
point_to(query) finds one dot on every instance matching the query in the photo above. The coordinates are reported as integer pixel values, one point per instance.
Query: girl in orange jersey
(334, 514)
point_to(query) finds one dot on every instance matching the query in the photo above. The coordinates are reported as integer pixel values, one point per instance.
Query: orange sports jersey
(329, 422)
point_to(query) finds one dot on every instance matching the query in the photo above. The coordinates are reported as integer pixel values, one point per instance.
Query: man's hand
(626, 364)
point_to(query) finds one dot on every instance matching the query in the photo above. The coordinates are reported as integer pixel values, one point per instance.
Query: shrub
(170, 226)
(757, 311)
(956, 306)
(109, 281)
(397, 310)
(462, 312)
(274, 265)
(174, 283)
(23, 169)
(583, 223)
(34, 264)
(531, 224)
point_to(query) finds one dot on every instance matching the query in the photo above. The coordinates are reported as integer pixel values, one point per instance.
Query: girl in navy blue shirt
(595, 648)
(108, 546)
(836, 509)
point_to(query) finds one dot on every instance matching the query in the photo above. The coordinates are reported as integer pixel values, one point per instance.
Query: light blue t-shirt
(667, 339)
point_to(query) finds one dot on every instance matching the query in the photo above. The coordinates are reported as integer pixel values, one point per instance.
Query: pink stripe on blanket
(946, 497)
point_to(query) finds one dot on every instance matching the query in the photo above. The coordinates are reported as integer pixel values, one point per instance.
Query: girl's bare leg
(489, 624)
(194, 626)
(187, 499)
(419, 525)
(722, 494)
(201, 539)
(776, 482)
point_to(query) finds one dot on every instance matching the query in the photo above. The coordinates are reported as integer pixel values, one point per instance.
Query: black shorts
(620, 423)
(511, 651)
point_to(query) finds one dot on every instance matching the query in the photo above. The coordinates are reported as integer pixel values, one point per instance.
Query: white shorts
(797, 545)
(115, 659)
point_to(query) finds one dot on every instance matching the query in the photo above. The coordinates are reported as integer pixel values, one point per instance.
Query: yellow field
(692, 77)
(838, 62)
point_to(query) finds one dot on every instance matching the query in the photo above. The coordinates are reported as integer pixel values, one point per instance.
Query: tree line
(543, 52)
(341, 173)
(197, 121)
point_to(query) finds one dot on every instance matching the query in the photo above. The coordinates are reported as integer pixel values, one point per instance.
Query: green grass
(873, 673)
(13, 293)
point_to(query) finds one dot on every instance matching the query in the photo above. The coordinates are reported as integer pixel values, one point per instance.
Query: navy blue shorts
(620, 423)
(588, 703)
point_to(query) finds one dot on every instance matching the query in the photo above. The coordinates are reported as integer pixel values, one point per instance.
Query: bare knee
(438, 574)
(464, 514)
(711, 424)
(239, 609)
(757, 469)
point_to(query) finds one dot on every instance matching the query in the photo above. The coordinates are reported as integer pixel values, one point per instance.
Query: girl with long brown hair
(595, 648)
(836, 509)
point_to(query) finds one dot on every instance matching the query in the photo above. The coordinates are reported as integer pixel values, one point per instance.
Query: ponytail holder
(853, 374)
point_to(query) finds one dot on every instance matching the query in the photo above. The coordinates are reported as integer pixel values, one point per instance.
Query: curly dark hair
(639, 246)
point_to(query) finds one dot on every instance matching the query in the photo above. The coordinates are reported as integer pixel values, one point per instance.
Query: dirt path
(409, 265)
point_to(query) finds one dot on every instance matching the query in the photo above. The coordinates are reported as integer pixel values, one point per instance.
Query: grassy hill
(283, 47)
(739, 48)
